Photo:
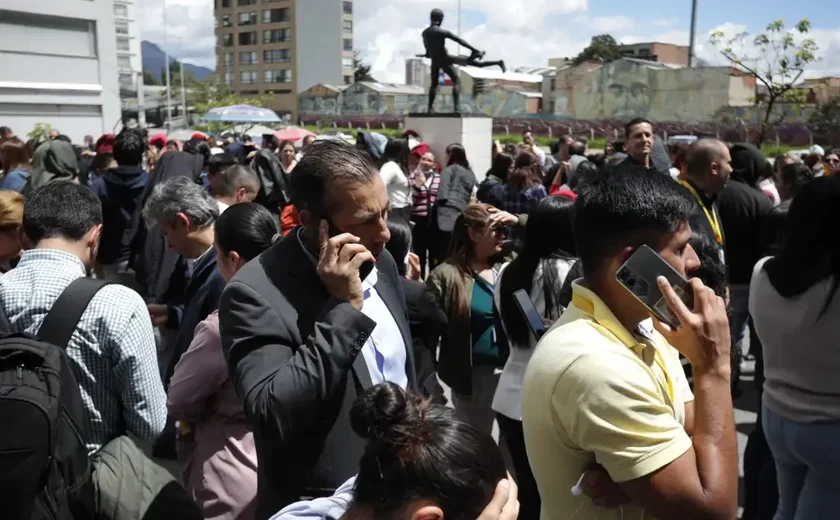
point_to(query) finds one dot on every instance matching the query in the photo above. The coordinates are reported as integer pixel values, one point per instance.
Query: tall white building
(127, 27)
(58, 65)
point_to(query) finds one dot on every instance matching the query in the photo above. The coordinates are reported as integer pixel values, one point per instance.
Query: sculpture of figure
(434, 39)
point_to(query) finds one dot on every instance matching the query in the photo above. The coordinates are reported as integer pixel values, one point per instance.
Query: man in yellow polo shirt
(605, 385)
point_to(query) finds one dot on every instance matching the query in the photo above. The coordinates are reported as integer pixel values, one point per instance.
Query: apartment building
(129, 59)
(281, 48)
(59, 66)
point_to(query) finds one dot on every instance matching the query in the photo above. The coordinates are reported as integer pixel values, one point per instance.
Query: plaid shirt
(516, 202)
(113, 347)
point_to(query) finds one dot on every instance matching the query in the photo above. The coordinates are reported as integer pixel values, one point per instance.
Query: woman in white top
(796, 314)
(541, 269)
(394, 172)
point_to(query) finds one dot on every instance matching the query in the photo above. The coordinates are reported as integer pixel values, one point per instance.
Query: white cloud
(522, 32)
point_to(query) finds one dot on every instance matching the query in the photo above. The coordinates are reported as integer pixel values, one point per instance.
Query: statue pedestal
(474, 132)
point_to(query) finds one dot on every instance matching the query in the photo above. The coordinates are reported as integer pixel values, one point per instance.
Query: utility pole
(691, 57)
(168, 85)
(459, 24)
(141, 101)
(184, 98)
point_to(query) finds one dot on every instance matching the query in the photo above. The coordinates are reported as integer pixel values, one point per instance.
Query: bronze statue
(434, 39)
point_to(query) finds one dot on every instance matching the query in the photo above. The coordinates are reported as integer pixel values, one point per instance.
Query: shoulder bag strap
(67, 310)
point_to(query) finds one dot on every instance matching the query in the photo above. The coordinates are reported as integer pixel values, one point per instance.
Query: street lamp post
(691, 58)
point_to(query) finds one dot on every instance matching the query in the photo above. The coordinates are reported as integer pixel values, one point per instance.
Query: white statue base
(474, 132)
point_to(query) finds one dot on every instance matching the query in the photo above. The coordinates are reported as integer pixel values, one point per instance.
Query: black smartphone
(638, 275)
(529, 312)
(367, 266)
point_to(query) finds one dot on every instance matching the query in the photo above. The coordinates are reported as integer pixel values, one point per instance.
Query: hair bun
(387, 414)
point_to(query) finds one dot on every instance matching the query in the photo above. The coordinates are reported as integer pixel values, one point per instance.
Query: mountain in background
(154, 61)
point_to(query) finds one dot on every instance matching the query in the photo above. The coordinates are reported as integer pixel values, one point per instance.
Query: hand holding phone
(340, 264)
(704, 336)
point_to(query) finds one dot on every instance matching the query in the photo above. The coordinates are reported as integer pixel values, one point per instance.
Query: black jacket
(743, 211)
(120, 190)
(200, 298)
(274, 191)
(427, 322)
(294, 354)
(698, 220)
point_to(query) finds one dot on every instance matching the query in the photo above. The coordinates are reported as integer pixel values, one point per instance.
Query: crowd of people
(319, 330)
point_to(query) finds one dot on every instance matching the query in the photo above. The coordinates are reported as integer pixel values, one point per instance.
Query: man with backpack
(112, 347)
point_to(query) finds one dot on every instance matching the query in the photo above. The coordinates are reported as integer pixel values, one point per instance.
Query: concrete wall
(625, 89)
(59, 66)
(356, 100)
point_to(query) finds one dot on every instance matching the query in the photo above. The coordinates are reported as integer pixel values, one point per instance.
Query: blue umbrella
(241, 114)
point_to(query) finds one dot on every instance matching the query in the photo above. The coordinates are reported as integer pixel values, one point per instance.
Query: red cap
(198, 135)
(420, 149)
(105, 144)
(158, 140)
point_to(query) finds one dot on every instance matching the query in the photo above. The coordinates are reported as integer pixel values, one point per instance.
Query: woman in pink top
(216, 445)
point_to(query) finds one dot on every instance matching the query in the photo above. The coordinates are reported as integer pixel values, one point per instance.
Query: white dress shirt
(385, 349)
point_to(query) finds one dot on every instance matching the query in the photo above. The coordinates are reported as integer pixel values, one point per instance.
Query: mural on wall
(361, 100)
(625, 89)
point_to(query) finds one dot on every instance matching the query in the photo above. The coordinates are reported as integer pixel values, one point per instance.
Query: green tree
(603, 48)
(362, 71)
(825, 120)
(40, 132)
(148, 79)
(777, 58)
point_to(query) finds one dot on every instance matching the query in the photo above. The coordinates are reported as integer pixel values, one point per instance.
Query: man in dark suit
(185, 213)
(304, 332)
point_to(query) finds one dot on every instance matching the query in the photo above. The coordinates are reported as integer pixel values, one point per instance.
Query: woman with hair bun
(421, 463)
(216, 445)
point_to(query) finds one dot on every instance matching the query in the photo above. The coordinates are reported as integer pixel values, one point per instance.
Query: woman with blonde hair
(11, 218)
(470, 358)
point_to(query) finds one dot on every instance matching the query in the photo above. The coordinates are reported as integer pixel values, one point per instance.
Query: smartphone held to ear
(367, 267)
(638, 275)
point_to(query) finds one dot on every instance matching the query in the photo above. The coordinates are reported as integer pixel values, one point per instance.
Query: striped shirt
(424, 197)
(113, 347)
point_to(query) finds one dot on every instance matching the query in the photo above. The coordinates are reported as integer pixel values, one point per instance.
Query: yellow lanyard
(588, 307)
(710, 215)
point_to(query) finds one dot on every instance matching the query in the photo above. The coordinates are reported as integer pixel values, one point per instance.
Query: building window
(228, 78)
(123, 63)
(348, 44)
(125, 79)
(248, 18)
(243, 3)
(552, 85)
(277, 36)
(248, 38)
(123, 45)
(273, 1)
(248, 58)
(228, 59)
(278, 76)
(226, 21)
(347, 63)
(225, 4)
(277, 56)
(348, 7)
(248, 77)
(348, 80)
(276, 15)
(227, 40)
(121, 10)
(348, 25)
(121, 27)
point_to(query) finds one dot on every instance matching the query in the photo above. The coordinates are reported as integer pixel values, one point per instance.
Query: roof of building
(541, 71)
(393, 88)
(652, 43)
(653, 64)
(495, 73)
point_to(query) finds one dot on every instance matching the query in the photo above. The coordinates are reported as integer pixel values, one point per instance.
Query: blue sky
(522, 32)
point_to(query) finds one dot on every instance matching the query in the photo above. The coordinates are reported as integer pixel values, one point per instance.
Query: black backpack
(45, 471)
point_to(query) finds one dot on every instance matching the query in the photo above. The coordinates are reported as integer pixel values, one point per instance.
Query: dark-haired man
(113, 346)
(236, 184)
(120, 189)
(645, 151)
(215, 166)
(305, 332)
(606, 385)
(708, 166)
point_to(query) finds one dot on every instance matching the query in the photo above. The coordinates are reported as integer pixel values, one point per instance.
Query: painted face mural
(625, 90)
